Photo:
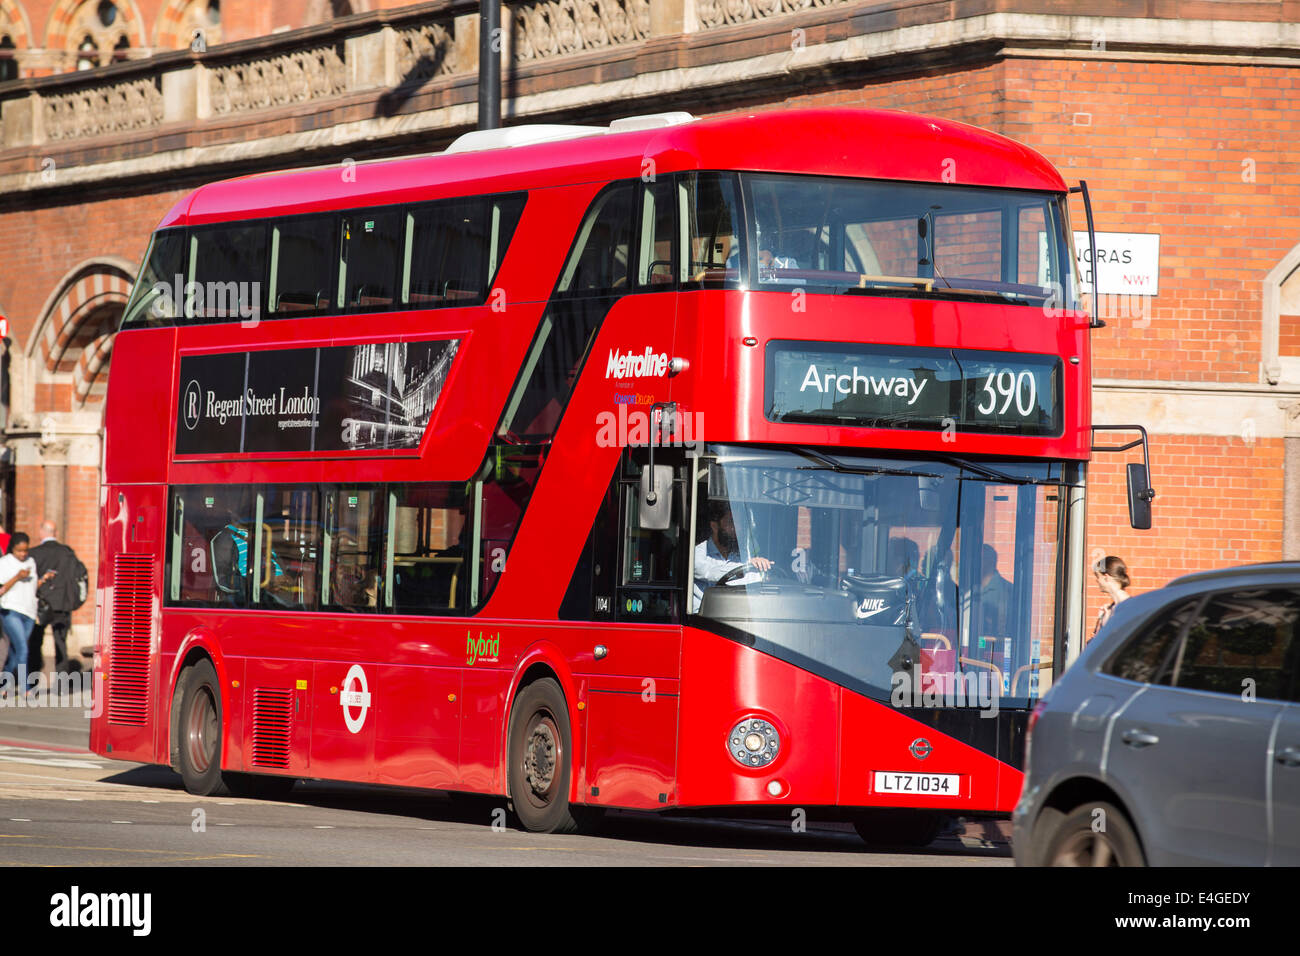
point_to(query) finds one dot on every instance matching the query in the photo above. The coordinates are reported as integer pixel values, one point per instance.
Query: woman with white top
(18, 584)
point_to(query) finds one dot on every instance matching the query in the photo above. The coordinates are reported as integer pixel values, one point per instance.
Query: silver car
(1174, 739)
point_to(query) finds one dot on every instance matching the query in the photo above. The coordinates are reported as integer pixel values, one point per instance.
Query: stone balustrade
(353, 55)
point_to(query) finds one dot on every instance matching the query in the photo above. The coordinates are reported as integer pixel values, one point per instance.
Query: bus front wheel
(199, 730)
(540, 761)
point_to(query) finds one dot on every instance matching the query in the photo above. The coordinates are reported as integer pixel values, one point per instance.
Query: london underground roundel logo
(359, 698)
(191, 404)
(920, 748)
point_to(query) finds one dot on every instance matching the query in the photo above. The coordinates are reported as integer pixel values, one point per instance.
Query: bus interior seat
(225, 563)
(370, 296)
(300, 301)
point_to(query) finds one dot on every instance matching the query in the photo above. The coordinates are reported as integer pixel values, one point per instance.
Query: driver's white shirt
(711, 565)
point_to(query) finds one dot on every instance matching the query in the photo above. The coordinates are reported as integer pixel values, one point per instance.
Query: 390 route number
(1006, 386)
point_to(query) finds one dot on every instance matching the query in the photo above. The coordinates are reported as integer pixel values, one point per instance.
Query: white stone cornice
(1243, 411)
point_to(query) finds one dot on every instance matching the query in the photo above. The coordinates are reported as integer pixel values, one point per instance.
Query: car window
(1145, 656)
(1242, 642)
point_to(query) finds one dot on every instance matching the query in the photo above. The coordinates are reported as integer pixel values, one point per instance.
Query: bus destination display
(884, 386)
(344, 398)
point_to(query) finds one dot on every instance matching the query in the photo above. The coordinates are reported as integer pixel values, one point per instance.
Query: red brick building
(1180, 114)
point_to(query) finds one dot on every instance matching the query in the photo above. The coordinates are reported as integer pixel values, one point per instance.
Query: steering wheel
(744, 569)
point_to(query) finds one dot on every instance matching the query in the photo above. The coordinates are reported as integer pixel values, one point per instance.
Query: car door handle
(1289, 757)
(1139, 738)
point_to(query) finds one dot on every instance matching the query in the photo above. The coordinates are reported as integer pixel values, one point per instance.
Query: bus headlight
(754, 742)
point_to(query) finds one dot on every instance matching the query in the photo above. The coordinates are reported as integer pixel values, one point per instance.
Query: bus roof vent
(649, 121)
(518, 136)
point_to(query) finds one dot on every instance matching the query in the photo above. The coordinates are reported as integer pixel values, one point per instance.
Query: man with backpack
(57, 598)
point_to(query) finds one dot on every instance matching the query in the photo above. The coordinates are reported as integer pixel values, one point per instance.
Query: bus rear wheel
(199, 730)
(540, 762)
(914, 828)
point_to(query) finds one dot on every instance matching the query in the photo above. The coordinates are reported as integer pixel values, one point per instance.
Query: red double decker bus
(731, 463)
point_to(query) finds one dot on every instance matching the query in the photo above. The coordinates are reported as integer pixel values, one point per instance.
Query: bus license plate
(927, 784)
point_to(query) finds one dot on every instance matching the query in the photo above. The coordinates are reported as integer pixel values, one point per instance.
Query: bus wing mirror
(1139, 497)
(1140, 492)
(656, 505)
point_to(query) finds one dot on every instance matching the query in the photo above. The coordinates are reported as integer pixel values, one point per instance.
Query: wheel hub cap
(539, 758)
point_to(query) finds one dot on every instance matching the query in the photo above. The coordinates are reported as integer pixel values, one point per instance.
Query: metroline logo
(630, 364)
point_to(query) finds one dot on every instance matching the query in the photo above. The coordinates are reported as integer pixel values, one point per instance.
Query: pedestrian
(57, 598)
(4, 540)
(18, 583)
(1112, 577)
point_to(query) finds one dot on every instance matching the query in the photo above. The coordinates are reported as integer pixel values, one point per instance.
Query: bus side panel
(483, 709)
(417, 730)
(343, 737)
(139, 407)
(276, 704)
(724, 682)
(631, 742)
(128, 726)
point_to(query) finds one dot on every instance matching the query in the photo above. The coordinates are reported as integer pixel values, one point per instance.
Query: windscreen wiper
(987, 472)
(827, 462)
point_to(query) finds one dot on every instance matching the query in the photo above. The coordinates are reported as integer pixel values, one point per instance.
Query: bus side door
(632, 698)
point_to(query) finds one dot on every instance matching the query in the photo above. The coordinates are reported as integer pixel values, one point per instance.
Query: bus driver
(721, 553)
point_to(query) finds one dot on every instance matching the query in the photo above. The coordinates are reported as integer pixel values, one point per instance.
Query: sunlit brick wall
(1219, 503)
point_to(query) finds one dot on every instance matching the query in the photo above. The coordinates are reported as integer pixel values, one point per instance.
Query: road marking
(48, 758)
(17, 836)
(119, 821)
(169, 858)
(80, 783)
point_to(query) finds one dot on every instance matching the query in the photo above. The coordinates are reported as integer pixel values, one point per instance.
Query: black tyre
(914, 828)
(540, 759)
(199, 730)
(1084, 837)
(260, 785)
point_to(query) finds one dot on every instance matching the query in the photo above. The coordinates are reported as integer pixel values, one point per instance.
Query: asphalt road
(61, 805)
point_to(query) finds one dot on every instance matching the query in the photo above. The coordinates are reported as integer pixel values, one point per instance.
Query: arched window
(8, 65)
(99, 33)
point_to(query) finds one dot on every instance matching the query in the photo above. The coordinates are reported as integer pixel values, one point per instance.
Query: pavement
(62, 719)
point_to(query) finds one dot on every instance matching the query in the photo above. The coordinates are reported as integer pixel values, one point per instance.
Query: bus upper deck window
(227, 266)
(455, 247)
(370, 263)
(599, 261)
(712, 212)
(302, 264)
(154, 299)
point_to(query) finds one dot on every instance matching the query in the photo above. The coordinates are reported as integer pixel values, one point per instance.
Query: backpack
(81, 578)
